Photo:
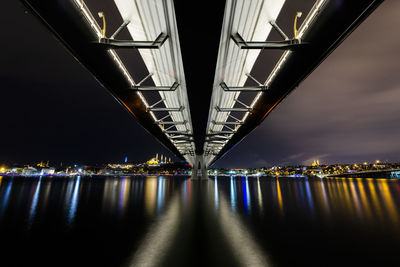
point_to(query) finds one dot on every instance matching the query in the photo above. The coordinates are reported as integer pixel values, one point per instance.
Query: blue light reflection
(32, 210)
(246, 195)
(6, 197)
(216, 192)
(160, 193)
(74, 201)
(233, 193)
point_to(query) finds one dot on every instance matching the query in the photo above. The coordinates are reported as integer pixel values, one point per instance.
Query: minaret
(157, 156)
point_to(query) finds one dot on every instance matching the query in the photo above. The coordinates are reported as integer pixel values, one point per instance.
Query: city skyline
(344, 112)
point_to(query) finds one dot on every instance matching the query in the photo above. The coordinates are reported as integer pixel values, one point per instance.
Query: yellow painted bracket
(296, 32)
(103, 31)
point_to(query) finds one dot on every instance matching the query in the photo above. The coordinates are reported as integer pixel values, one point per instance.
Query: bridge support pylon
(199, 170)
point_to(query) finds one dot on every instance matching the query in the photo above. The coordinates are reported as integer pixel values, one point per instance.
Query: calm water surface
(175, 221)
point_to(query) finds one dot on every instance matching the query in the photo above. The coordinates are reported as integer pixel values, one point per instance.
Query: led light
(82, 6)
(310, 18)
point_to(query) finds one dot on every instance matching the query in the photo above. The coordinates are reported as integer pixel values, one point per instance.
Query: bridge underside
(200, 77)
(245, 94)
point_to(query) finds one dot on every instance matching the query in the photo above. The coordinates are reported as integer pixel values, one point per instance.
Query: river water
(175, 221)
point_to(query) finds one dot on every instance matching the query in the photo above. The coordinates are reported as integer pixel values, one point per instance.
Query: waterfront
(175, 221)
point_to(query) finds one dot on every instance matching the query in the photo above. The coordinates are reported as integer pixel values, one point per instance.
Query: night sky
(346, 111)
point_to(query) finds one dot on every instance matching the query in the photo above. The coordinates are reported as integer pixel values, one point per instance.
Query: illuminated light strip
(312, 15)
(89, 17)
(122, 67)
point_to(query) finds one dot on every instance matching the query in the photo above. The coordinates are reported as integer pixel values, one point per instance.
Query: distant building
(157, 162)
(43, 164)
(29, 170)
(153, 161)
(315, 163)
(47, 171)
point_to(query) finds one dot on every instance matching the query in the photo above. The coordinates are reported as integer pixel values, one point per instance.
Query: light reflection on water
(150, 194)
(216, 198)
(259, 196)
(245, 211)
(371, 201)
(123, 194)
(161, 193)
(32, 211)
(364, 201)
(233, 193)
(74, 201)
(246, 195)
(187, 193)
(5, 196)
(102, 216)
(118, 194)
